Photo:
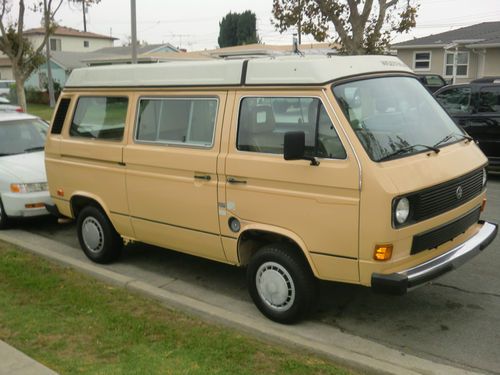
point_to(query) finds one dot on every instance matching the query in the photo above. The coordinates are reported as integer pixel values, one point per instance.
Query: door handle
(202, 177)
(233, 180)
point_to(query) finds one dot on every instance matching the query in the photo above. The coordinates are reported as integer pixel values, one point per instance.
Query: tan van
(340, 168)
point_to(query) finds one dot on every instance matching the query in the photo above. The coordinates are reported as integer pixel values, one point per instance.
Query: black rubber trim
(53, 210)
(244, 73)
(438, 236)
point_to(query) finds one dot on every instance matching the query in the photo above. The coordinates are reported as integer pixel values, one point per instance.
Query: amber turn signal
(60, 192)
(483, 205)
(383, 252)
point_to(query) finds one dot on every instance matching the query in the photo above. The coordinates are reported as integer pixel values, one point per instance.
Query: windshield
(395, 117)
(20, 136)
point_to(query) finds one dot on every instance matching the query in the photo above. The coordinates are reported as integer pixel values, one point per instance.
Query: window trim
(428, 69)
(237, 126)
(75, 107)
(173, 143)
(446, 65)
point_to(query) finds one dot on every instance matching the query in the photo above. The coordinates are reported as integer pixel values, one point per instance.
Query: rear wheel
(4, 220)
(281, 283)
(97, 236)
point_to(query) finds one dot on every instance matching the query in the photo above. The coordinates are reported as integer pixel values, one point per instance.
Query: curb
(345, 349)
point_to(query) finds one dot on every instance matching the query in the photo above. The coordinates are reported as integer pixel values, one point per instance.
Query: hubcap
(275, 286)
(92, 234)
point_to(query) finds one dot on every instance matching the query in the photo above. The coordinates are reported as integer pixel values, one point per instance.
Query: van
(301, 169)
(5, 85)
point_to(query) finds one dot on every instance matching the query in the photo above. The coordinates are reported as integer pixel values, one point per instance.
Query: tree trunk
(21, 95)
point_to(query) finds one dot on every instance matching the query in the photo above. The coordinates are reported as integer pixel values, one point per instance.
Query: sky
(194, 24)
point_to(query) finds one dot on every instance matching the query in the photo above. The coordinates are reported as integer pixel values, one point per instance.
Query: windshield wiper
(450, 136)
(407, 149)
(32, 149)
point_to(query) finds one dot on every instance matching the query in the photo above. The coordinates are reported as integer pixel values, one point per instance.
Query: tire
(98, 238)
(4, 219)
(281, 283)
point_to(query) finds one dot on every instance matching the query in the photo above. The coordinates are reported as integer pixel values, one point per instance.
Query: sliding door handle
(233, 180)
(202, 177)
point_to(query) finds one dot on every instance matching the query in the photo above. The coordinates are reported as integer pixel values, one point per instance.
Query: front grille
(441, 198)
(445, 233)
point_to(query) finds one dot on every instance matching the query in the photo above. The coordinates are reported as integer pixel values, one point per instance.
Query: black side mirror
(294, 147)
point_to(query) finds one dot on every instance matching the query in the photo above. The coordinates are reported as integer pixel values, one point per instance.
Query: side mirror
(294, 147)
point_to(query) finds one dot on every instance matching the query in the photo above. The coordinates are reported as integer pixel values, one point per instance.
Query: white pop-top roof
(265, 71)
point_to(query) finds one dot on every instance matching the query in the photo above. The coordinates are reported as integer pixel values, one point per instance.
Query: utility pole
(84, 17)
(134, 31)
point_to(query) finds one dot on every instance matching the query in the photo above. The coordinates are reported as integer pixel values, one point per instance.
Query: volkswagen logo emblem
(459, 192)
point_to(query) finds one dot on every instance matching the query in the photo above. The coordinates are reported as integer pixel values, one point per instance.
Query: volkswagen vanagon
(299, 168)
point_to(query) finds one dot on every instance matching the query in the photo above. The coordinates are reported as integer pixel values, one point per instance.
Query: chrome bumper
(401, 282)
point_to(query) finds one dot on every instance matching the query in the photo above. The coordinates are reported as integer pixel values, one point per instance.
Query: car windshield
(395, 117)
(20, 136)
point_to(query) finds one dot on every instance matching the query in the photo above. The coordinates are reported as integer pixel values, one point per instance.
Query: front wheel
(4, 220)
(97, 236)
(281, 283)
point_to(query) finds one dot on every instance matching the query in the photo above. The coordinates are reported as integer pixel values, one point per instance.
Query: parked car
(5, 86)
(23, 182)
(432, 82)
(476, 108)
(6, 105)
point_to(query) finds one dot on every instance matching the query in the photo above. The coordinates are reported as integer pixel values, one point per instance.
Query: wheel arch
(80, 200)
(253, 237)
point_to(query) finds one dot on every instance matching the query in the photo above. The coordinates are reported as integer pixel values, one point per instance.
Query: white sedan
(23, 182)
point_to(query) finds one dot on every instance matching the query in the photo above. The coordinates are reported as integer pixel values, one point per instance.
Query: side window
(456, 100)
(99, 117)
(489, 100)
(189, 121)
(263, 122)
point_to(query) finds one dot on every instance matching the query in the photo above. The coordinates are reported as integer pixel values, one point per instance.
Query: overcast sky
(194, 24)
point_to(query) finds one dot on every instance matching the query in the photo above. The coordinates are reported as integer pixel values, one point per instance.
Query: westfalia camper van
(299, 168)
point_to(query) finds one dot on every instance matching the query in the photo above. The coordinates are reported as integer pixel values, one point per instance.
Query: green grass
(77, 325)
(41, 110)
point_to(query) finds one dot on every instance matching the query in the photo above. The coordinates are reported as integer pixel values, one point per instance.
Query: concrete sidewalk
(13, 362)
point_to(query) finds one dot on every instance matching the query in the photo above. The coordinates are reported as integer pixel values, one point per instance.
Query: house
(123, 55)
(460, 55)
(70, 40)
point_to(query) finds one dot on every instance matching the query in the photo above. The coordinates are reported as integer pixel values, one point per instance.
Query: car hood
(29, 167)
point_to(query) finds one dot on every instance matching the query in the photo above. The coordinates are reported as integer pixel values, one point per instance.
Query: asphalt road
(455, 320)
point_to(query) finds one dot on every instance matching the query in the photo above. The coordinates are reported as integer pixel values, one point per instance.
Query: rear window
(99, 117)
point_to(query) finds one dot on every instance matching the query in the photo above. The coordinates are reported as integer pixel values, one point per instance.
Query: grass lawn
(77, 325)
(41, 110)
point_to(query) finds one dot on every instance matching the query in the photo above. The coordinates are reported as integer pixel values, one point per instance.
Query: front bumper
(401, 282)
(15, 204)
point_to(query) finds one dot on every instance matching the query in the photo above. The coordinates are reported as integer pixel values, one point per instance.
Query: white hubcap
(92, 234)
(275, 286)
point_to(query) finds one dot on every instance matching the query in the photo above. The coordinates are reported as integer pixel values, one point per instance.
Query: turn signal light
(60, 192)
(483, 205)
(383, 252)
(34, 205)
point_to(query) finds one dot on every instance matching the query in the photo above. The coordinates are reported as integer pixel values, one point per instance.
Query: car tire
(4, 219)
(281, 283)
(98, 238)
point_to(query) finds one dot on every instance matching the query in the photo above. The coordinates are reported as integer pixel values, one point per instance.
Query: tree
(361, 26)
(237, 29)
(24, 57)
(85, 5)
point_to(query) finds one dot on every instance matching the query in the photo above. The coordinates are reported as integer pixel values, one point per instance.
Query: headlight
(402, 211)
(29, 188)
(485, 177)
